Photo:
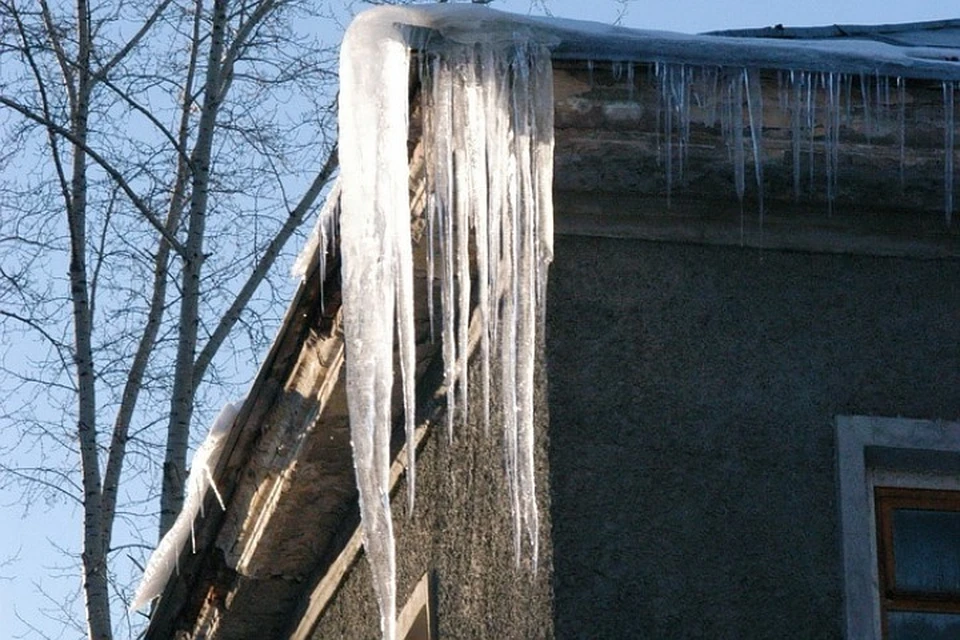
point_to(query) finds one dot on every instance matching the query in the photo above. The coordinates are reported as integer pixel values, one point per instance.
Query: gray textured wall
(461, 530)
(692, 395)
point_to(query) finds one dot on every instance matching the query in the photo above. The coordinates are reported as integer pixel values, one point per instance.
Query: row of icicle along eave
(488, 145)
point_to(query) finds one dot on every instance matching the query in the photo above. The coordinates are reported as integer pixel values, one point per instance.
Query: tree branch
(181, 402)
(101, 75)
(148, 339)
(104, 164)
(58, 346)
(44, 99)
(294, 220)
(136, 106)
(60, 54)
(31, 474)
(240, 42)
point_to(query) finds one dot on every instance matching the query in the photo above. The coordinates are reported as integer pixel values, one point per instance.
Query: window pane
(913, 625)
(926, 550)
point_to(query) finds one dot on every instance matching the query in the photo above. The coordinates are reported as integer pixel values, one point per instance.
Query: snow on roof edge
(848, 55)
(837, 30)
(577, 39)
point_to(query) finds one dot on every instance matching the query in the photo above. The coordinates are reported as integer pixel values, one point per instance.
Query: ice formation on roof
(885, 56)
(489, 146)
(164, 558)
(488, 141)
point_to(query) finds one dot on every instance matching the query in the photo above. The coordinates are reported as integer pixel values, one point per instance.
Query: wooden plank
(322, 594)
(722, 223)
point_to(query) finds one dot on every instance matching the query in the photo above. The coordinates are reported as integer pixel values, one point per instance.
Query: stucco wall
(461, 530)
(692, 396)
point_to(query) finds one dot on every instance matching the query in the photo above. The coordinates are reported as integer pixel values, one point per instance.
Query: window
(918, 553)
(416, 621)
(914, 456)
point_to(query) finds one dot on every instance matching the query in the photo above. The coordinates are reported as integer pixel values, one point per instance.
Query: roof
(936, 33)
(917, 50)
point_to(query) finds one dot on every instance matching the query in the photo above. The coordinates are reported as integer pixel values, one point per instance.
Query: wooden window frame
(886, 500)
(420, 606)
(882, 451)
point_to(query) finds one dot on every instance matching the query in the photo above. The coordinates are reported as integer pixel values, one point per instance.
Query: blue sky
(29, 541)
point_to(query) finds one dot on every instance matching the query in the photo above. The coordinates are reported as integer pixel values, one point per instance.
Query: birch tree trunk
(181, 403)
(94, 561)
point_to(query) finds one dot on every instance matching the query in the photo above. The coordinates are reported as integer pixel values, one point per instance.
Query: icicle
(783, 92)
(712, 81)
(480, 132)
(429, 124)
(886, 95)
(737, 123)
(431, 215)
(684, 113)
(468, 155)
(508, 362)
(540, 253)
(322, 238)
(902, 127)
(796, 84)
(373, 139)
(831, 141)
(444, 177)
(616, 70)
(865, 96)
(848, 92)
(524, 290)
(878, 108)
(949, 125)
(658, 80)
(751, 82)
(495, 74)
(811, 122)
(666, 107)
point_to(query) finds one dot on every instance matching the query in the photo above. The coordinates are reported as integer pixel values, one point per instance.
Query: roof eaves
(878, 32)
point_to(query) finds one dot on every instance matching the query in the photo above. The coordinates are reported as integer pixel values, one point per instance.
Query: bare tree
(162, 154)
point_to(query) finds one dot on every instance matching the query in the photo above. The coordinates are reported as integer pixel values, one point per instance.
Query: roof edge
(836, 30)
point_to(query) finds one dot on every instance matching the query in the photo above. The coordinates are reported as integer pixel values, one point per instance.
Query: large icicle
(488, 136)
(373, 224)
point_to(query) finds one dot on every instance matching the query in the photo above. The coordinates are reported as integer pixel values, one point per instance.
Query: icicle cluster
(679, 87)
(323, 236)
(489, 143)
(819, 105)
(164, 558)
